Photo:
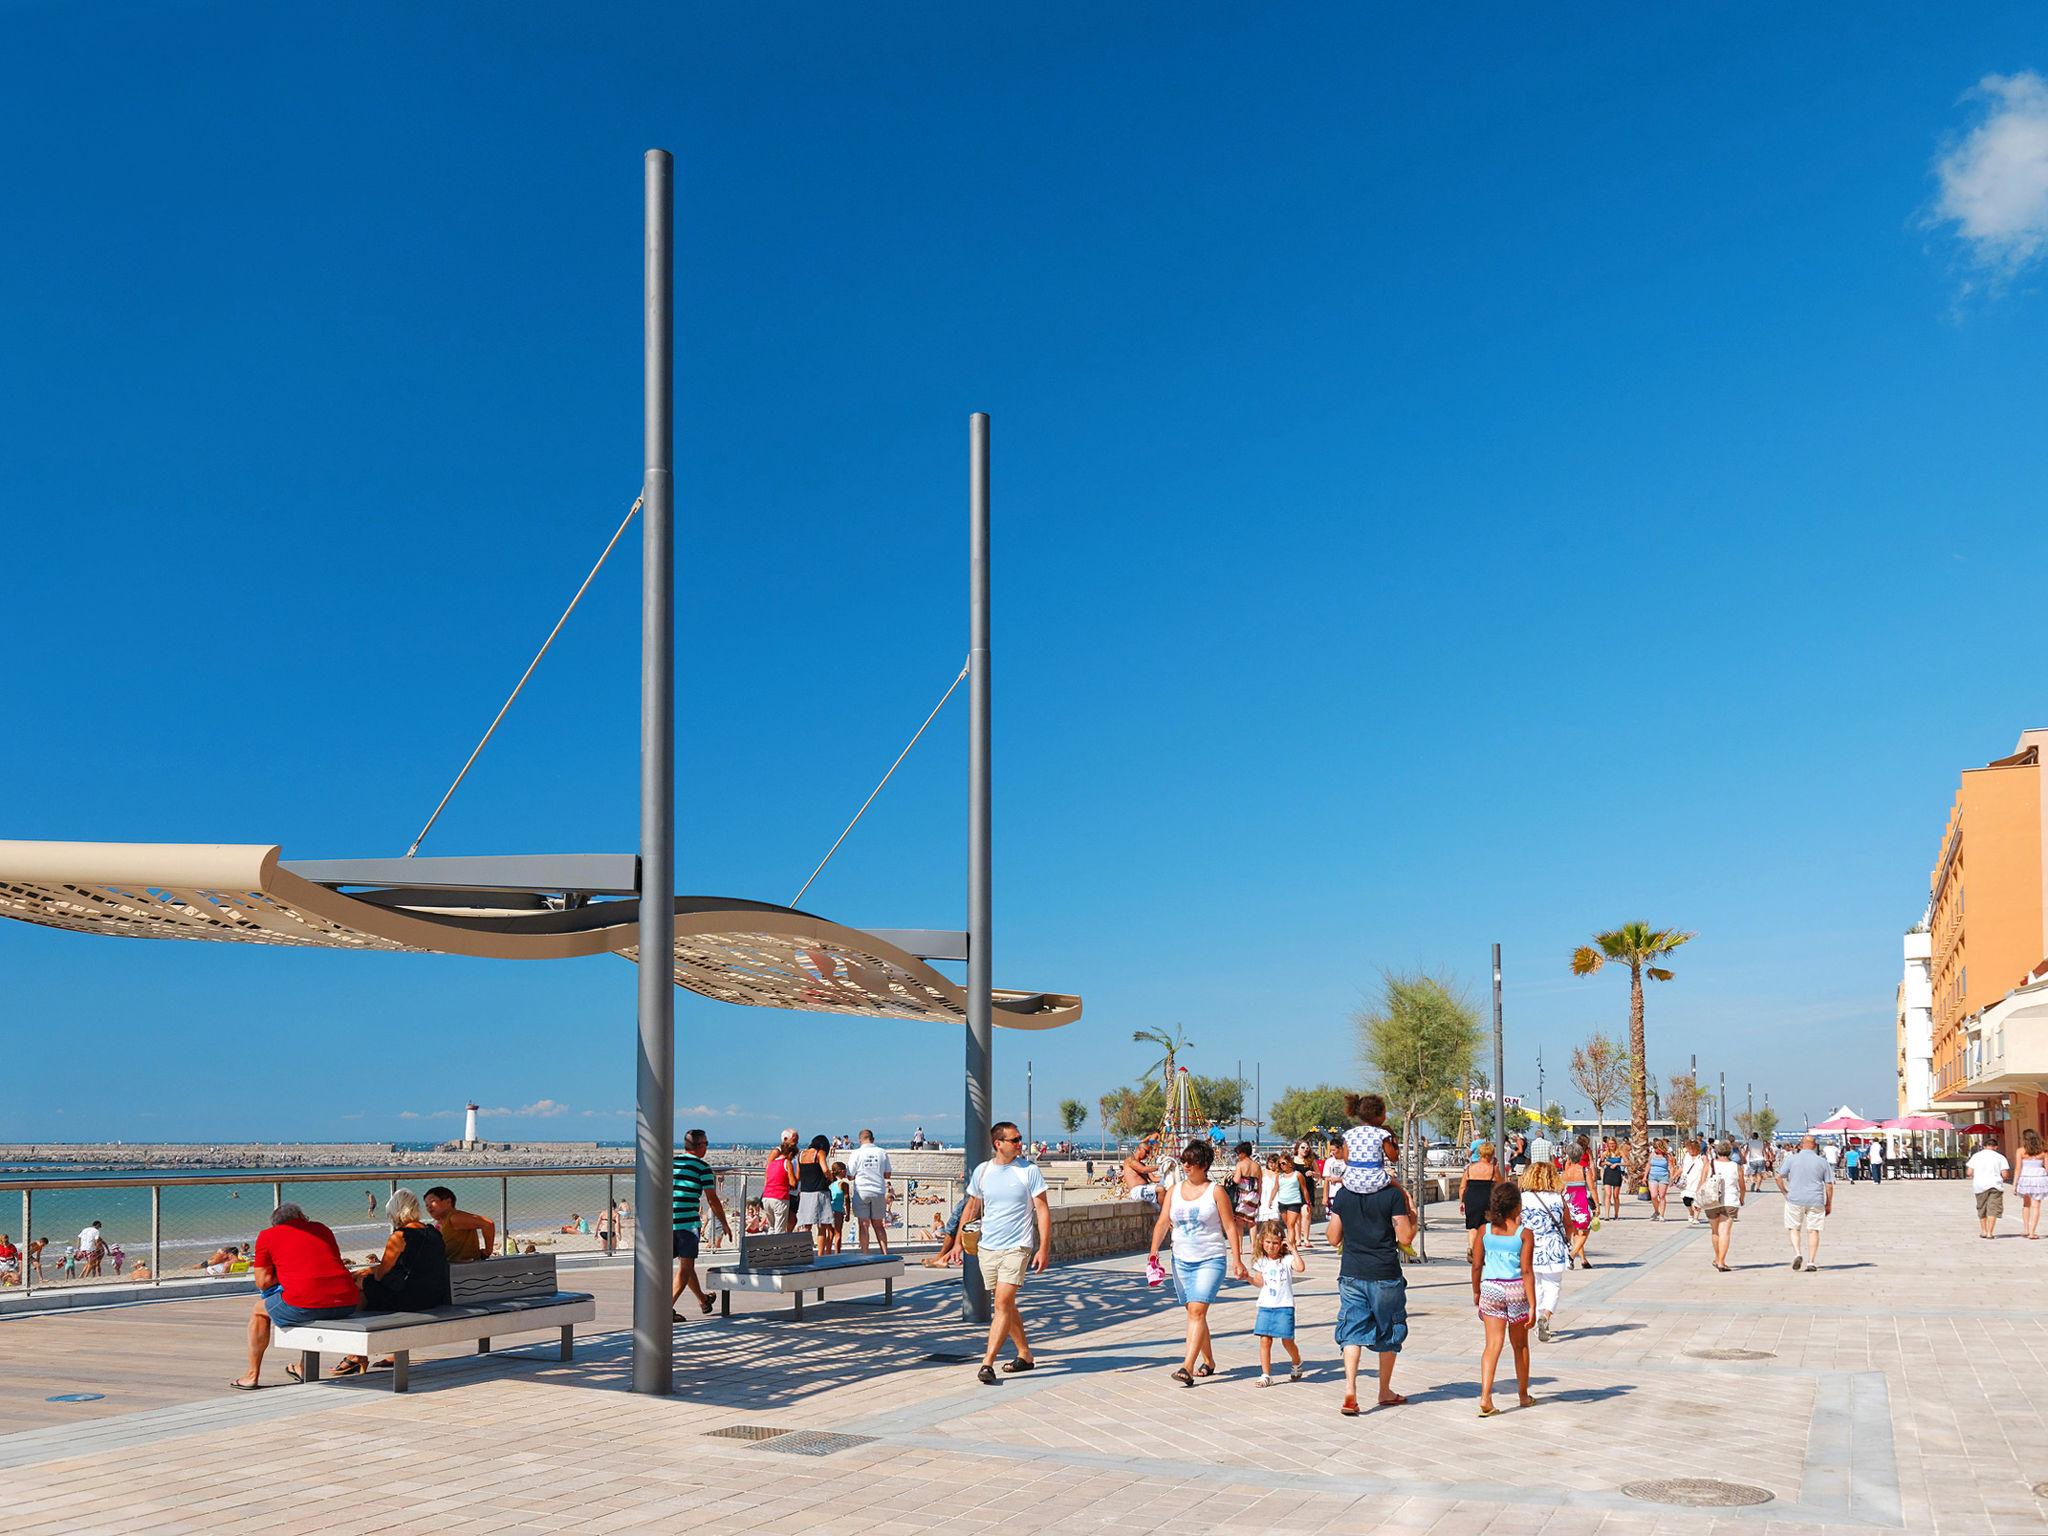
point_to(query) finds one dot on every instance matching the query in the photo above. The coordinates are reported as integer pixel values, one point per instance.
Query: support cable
(631, 512)
(928, 719)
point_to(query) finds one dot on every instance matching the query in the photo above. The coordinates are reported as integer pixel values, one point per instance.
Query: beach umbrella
(1979, 1129)
(1846, 1122)
(1917, 1123)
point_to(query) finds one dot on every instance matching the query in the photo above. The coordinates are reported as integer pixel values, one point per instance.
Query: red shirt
(307, 1262)
(775, 1181)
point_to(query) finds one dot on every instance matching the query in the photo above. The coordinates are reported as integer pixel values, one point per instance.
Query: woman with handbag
(1721, 1195)
(1692, 1172)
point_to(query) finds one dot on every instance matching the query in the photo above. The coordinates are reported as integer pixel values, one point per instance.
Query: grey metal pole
(1500, 1087)
(1030, 1138)
(980, 843)
(1240, 1098)
(28, 1274)
(1721, 1115)
(655, 1114)
(156, 1234)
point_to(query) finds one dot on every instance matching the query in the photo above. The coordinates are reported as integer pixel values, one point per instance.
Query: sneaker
(1543, 1329)
(1296, 1374)
(1265, 1381)
(1798, 1262)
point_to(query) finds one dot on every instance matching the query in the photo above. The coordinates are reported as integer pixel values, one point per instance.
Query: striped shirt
(689, 1179)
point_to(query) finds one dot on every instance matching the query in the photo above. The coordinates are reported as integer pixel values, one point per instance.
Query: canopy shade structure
(736, 951)
(1845, 1123)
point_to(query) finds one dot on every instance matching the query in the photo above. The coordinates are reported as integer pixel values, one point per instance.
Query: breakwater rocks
(377, 1154)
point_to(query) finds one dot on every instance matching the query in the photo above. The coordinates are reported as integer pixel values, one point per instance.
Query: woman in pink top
(777, 1178)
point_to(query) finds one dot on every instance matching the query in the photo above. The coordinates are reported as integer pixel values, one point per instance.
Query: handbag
(1710, 1195)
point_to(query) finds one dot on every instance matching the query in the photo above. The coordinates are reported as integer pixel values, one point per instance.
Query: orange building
(1988, 925)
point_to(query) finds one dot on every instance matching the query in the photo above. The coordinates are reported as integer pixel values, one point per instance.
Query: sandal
(249, 1386)
(1350, 1408)
(1021, 1363)
(1183, 1377)
(1205, 1369)
(346, 1368)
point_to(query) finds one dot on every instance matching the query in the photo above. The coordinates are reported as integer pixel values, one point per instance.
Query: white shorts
(1804, 1218)
(1149, 1193)
(869, 1207)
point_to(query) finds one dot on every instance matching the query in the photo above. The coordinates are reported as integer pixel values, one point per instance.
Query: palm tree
(1637, 946)
(1172, 1044)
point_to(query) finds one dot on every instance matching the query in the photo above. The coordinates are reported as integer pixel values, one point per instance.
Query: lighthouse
(469, 1137)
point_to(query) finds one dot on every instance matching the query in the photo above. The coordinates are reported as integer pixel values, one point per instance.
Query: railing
(189, 1217)
(181, 1221)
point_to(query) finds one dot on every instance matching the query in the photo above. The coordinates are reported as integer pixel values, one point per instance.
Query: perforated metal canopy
(549, 908)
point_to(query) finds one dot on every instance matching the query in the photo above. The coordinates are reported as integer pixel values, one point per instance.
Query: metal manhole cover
(1697, 1493)
(746, 1432)
(1731, 1354)
(815, 1442)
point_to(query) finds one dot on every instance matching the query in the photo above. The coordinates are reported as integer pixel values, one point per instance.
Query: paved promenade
(1898, 1389)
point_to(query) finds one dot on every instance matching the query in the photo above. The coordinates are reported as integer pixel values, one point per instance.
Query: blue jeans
(1372, 1314)
(285, 1315)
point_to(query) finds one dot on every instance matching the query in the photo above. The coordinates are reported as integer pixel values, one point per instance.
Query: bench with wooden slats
(490, 1298)
(787, 1263)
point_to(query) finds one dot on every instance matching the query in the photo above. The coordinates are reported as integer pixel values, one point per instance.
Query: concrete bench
(787, 1263)
(491, 1298)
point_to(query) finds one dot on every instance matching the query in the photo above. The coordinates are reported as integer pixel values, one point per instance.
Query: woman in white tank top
(1204, 1244)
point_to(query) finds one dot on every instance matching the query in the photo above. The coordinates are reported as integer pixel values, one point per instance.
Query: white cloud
(706, 1111)
(1994, 181)
(539, 1109)
(408, 1114)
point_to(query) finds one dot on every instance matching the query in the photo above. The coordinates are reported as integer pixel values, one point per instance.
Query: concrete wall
(1101, 1229)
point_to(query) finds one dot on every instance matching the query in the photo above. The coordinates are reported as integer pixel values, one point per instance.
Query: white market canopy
(509, 908)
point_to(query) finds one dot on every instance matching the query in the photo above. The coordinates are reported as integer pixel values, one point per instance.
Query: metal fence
(172, 1226)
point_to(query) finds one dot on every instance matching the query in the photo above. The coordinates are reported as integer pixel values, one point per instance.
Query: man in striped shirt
(691, 1182)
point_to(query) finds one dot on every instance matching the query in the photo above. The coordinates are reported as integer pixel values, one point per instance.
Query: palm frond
(1657, 975)
(1586, 960)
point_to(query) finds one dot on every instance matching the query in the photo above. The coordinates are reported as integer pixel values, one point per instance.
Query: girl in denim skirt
(1278, 1263)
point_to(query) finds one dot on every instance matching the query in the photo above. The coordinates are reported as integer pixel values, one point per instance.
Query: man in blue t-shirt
(1005, 1194)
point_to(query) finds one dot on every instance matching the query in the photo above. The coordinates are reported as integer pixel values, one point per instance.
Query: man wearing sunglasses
(1004, 1194)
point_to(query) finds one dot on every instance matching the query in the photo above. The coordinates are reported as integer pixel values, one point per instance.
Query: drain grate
(1731, 1354)
(815, 1442)
(1697, 1493)
(747, 1432)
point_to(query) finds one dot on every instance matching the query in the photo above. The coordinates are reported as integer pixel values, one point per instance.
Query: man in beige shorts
(1808, 1185)
(1005, 1194)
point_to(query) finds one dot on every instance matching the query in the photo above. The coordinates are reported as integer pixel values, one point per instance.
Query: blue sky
(1455, 481)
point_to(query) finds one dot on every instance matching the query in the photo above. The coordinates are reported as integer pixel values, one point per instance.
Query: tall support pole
(980, 843)
(655, 1115)
(1500, 1086)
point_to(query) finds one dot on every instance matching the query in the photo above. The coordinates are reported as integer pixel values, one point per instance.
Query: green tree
(1766, 1122)
(1553, 1119)
(1600, 1069)
(1300, 1110)
(1639, 947)
(1417, 1041)
(1073, 1115)
(1120, 1112)
(1221, 1098)
(1684, 1098)
(1518, 1120)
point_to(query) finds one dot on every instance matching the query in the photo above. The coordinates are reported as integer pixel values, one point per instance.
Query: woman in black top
(1477, 1189)
(411, 1275)
(814, 1192)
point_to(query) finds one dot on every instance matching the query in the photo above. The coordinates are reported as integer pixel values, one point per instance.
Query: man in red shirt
(299, 1279)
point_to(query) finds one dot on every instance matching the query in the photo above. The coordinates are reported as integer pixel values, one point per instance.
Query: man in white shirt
(1833, 1153)
(1988, 1173)
(92, 1247)
(1004, 1194)
(869, 1169)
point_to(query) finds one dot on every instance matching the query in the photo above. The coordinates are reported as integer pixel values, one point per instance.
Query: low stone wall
(1101, 1229)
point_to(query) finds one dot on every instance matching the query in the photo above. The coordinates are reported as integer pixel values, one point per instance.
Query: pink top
(775, 1186)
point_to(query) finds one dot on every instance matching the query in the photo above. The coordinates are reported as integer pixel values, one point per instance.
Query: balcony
(2007, 1049)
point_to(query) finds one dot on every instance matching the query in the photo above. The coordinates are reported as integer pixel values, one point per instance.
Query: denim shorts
(1199, 1281)
(1273, 1323)
(1372, 1314)
(285, 1315)
(685, 1242)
